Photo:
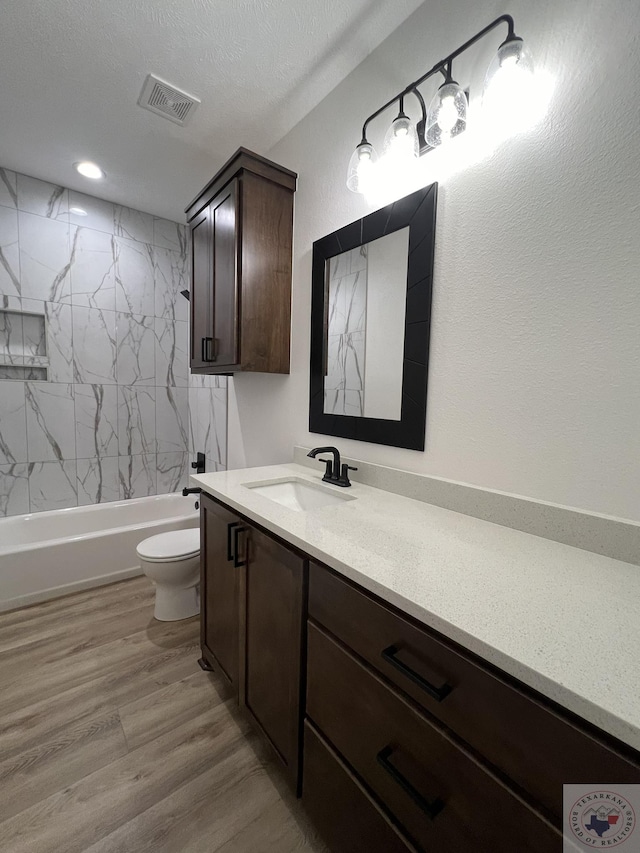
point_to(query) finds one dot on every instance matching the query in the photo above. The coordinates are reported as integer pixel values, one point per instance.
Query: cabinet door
(224, 231)
(201, 294)
(221, 580)
(273, 637)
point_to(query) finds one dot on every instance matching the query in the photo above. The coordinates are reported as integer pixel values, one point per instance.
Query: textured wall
(534, 378)
(112, 421)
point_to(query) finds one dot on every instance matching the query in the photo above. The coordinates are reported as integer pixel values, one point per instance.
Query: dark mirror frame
(418, 211)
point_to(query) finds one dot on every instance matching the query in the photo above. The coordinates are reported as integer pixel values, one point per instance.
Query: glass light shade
(361, 167)
(401, 140)
(447, 116)
(508, 81)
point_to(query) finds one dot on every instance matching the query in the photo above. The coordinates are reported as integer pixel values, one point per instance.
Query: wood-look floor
(112, 739)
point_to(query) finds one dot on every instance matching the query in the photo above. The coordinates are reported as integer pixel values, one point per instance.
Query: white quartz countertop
(562, 620)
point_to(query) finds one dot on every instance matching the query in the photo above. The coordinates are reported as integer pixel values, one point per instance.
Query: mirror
(371, 306)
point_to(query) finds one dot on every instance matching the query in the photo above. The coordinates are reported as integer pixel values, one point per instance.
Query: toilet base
(174, 604)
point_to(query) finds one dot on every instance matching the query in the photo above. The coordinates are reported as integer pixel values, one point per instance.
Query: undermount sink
(298, 494)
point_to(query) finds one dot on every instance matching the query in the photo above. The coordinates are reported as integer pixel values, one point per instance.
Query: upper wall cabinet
(241, 239)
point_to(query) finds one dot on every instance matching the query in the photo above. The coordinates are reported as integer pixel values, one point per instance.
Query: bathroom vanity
(427, 679)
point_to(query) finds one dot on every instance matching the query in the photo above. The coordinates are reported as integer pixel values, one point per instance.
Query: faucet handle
(328, 474)
(344, 476)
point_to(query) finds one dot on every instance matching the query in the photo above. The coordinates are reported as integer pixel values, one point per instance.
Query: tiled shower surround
(113, 420)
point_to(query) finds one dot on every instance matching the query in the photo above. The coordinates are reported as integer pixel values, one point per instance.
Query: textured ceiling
(72, 70)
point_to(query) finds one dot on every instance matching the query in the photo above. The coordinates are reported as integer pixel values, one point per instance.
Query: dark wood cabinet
(252, 624)
(241, 241)
(273, 643)
(220, 589)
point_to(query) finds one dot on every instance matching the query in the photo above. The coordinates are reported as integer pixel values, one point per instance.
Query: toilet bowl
(172, 561)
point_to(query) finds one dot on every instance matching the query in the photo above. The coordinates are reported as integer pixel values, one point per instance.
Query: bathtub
(47, 554)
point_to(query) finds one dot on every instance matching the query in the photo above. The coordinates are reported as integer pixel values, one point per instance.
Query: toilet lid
(174, 545)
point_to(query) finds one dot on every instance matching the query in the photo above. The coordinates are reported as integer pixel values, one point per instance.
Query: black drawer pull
(236, 536)
(230, 526)
(437, 693)
(431, 809)
(207, 354)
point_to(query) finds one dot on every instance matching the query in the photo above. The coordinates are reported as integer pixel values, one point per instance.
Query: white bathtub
(47, 554)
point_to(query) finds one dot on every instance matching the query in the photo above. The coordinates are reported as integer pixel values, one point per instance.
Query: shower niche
(23, 345)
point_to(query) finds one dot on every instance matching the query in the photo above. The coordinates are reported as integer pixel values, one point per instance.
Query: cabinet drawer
(532, 744)
(346, 816)
(440, 796)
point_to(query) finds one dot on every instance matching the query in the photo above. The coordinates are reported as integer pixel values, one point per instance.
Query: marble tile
(11, 336)
(217, 447)
(8, 188)
(137, 476)
(136, 349)
(94, 345)
(172, 358)
(134, 277)
(45, 258)
(170, 235)
(341, 402)
(171, 277)
(14, 489)
(132, 224)
(136, 420)
(42, 198)
(208, 423)
(92, 271)
(13, 423)
(345, 362)
(96, 413)
(172, 419)
(99, 213)
(9, 253)
(52, 485)
(22, 373)
(50, 421)
(172, 472)
(59, 324)
(34, 334)
(98, 480)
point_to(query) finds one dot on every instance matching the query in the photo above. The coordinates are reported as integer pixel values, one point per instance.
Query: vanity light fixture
(89, 170)
(446, 117)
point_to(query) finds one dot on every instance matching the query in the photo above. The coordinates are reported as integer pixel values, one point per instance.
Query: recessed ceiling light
(78, 211)
(89, 170)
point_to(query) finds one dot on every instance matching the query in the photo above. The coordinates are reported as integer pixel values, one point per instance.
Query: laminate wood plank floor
(112, 740)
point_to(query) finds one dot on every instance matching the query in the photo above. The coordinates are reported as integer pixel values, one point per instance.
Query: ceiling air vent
(164, 99)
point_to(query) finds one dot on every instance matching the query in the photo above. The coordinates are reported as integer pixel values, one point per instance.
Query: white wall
(534, 377)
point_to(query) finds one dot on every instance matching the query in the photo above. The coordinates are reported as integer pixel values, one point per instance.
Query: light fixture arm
(444, 67)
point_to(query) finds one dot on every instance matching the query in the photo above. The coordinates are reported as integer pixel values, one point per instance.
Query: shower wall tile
(172, 419)
(170, 235)
(135, 350)
(96, 415)
(116, 417)
(99, 213)
(137, 476)
(171, 275)
(13, 423)
(136, 420)
(42, 198)
(45, 258)
(9, 252)
(52, 485)
(94, 345)
(50, 421)
(172, 472)
(132, 224)
(59, 321)
(14, 489)
(134, 277)
(98, 480)
(92, 271)
(172, 357)
(8, 188)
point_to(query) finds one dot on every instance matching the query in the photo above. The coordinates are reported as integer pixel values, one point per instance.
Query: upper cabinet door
(201, 313)
(224, 232)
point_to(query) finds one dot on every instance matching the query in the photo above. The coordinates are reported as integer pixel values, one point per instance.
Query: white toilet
(172, 561)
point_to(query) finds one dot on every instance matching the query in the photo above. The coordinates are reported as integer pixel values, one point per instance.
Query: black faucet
(187, 491)
(334, 472)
